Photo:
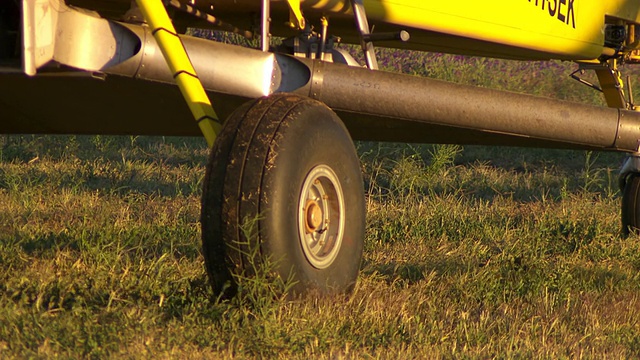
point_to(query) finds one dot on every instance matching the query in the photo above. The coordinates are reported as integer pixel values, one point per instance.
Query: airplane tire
(631, 205)
(283, 183)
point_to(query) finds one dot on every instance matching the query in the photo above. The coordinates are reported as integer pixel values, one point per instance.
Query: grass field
(471, 252)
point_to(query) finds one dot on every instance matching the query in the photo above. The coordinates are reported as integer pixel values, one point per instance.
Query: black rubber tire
(257, 168)
(631, 205)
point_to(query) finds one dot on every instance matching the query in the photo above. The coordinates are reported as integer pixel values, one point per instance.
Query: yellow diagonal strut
(183, 72)
(296, 20)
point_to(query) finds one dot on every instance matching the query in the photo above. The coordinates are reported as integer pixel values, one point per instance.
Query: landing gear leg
(630, 187)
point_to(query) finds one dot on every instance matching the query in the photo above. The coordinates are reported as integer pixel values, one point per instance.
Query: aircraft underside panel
(535, 29)
(568, 28)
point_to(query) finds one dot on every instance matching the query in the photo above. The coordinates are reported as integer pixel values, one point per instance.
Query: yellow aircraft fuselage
(564, 29)
(526, 29)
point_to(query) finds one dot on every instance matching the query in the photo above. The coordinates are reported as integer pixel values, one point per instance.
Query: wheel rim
(321, 216)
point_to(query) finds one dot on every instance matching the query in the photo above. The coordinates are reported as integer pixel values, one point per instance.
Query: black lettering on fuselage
(538, 2)
(570, 14)
(552, 10)
(560, 14)
(559, 9)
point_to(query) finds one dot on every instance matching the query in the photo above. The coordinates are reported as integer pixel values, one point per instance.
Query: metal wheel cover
(321, 244)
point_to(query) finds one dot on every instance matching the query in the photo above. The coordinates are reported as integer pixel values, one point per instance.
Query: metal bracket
(367, 38)
(611, 84)
(583, 81)
(265, 24)
(296, 20)
(323, 44)
(363, 27)
(51, 30)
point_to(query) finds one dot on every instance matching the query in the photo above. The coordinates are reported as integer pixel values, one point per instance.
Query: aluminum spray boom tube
(223, 68)
(424, 100)
(388, 99)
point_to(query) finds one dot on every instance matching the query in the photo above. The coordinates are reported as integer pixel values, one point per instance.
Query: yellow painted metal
(180, 65)
(527, 29)
(324, 21)
(569, 28)
(565, 29)
(296, 20)
(612, 85)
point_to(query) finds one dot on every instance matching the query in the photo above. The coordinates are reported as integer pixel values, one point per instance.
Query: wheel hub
(321, 216)
(314, 216)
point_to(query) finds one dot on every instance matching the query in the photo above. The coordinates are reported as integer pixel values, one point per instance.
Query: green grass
(470, 252)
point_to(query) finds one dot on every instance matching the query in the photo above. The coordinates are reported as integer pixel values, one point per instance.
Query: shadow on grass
(130, 244)
(49, 242)
(413, 273)
(482, 173)
(124, 187)
(519, 278)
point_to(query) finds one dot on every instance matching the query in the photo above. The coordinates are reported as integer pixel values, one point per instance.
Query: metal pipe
(433, 102)
(265, 22)
(379, 102)
(222, 68)
(363, 27)
(323, 44)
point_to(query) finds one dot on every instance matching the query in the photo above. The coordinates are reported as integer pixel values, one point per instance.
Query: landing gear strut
(630, 187)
